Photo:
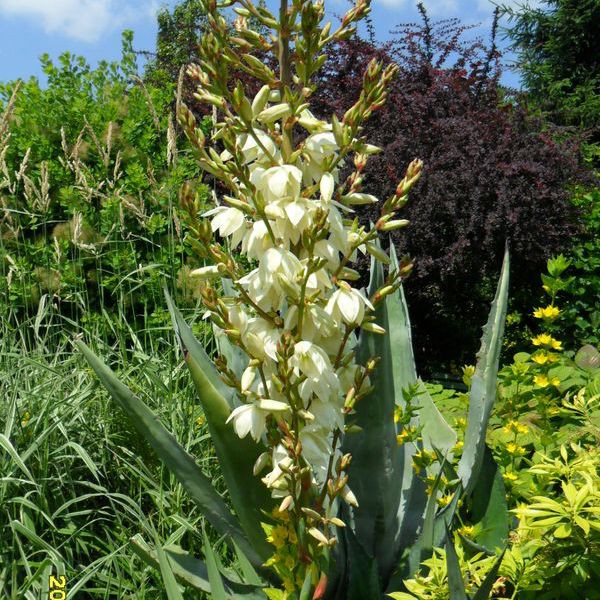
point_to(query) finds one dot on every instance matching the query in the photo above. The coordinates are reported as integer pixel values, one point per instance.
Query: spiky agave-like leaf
(173, 455)
(373, 475)
(193, 572)
(248, 494)
(488, 505)
(456, 585)
(409, 491)
(483, 384)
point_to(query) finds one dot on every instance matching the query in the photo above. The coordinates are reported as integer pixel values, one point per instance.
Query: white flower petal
(327, 186)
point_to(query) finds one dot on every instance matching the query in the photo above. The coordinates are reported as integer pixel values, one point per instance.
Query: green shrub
(90, 172)
(544, 435)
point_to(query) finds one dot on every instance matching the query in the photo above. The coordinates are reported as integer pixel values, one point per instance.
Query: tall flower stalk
(301, 398)
(292, 315)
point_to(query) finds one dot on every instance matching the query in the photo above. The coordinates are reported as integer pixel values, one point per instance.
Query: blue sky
(28, 28)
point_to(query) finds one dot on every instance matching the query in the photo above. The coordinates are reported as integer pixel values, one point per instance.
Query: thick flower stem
(336, 436)
(285, 72)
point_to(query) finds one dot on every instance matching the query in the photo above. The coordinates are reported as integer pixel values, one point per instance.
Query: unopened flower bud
(378, 253)
(357, 198)
(349, 497)
(372, 327)
(286, 504)
(345, 461)
(275, 112)
(350, 398)
(210, 272)
(337, 522)
(349, 274)
(321, 587)
(260, 100)
(318, 535)
(371, 364)
(311, 513)
(395, 224)
(261, 462)
(306, 415)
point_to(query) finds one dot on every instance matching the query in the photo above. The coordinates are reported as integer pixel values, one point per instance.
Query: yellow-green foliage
(431, 583)
(544, 435)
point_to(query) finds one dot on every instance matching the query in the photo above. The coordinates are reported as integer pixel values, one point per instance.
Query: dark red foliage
(490, 177)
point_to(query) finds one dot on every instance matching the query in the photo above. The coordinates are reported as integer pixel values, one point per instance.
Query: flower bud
(261, 462)
(306, 415)
(395, 224)
(260, 100)
(337, 522)
(372, 327)
(349, 497)
(275, 112)
(204, 273)
(321, 587)
(319, 536)
(338, 130)
(350, 398)
(286, 504)
(358, 198)
(311, 513)
(378, 253)
(349, 274)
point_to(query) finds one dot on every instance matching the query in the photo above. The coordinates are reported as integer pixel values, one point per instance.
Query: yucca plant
(355, 449)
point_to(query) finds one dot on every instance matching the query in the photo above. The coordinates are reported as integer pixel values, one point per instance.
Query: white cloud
(85, 20)
(392, 3)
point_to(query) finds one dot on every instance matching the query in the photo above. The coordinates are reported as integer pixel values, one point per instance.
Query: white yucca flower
(252, 418)
(348, 304)
(287, 293)
(228, 221)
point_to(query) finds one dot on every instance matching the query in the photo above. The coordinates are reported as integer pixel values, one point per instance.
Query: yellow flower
(468, 372)
(549, 313)
(541, 380)
(545, 339)
(459, 445)
(514, 449)
(292, 536)
(515, 426)
(25, 420)
(510, 476)
(280, 515)
(555, 381)
(466, 530)
(542, 340)
(460, 423)
(289, 562)
(445, 500)
(200, 421)
(402, 437)
(540, 358)
(278, 536)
